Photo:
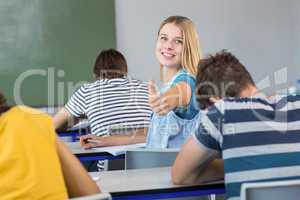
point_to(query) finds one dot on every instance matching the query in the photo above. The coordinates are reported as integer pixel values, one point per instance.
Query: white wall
(296, 38)
(259, 32)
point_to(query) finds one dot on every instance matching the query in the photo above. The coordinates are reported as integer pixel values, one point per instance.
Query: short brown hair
(221, 75)
(3, 105)
(110, 64)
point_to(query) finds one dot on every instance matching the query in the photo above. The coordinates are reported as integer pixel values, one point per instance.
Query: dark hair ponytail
(3, 105)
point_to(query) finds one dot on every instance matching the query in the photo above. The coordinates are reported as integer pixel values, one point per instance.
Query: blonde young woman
(174, 106)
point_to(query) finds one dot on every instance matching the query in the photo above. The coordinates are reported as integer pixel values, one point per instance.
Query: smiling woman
(178, 52)
(169, 46)
(184, 32)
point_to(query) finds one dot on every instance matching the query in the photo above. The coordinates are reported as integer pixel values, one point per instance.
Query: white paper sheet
(119, 150)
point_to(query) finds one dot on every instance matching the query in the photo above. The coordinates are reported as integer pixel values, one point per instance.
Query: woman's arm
(133, 137)
(77, 180)
(178, 95)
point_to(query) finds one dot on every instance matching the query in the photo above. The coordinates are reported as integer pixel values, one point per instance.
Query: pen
(93, 141)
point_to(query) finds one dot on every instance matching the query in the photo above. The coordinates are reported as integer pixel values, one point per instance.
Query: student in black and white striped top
(112, 100)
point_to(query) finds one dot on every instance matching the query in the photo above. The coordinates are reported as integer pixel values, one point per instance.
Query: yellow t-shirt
(29, 164)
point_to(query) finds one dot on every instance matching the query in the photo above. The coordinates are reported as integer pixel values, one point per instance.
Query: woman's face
(169, 46)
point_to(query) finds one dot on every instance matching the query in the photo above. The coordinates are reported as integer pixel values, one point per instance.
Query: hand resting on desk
(132, 137)
(91, 141)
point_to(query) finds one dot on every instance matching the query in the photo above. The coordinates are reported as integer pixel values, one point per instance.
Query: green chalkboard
(48, 47)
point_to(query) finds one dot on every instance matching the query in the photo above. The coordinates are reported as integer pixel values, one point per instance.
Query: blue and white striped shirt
(112, 102)
(258, 139)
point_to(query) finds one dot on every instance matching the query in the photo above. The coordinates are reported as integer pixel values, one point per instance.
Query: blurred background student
(34, 164)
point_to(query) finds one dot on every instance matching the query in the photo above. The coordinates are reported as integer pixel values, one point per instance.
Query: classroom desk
(73, 134)
(151, 183)
(70, 136)
(81, 128)
(90, 154)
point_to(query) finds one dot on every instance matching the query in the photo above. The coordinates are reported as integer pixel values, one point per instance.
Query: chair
(275, 190)
(100, 196)
(140, 158)
(148, 158)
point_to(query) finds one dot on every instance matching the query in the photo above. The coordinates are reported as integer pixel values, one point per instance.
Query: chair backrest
(148, 158)
(100, 196)
(275, 190)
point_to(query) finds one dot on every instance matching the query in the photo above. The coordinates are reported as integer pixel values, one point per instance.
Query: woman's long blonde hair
(191, 46)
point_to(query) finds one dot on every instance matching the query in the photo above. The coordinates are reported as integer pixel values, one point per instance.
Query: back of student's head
(110, 64)
(3, 105)
(191, 45)
(221, 75)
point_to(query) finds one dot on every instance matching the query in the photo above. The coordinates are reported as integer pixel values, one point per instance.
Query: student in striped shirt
(257, 137)
(113, 100)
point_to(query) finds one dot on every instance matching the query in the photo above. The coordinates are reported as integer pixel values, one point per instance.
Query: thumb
(152, 88)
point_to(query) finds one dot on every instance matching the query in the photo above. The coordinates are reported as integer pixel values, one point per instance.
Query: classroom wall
(296, 37)
(48, 48)
(262, 33)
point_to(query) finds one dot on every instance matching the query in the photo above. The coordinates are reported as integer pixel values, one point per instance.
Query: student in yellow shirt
(34, 164)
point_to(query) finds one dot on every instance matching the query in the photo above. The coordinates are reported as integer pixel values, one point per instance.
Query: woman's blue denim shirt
(173, 129)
